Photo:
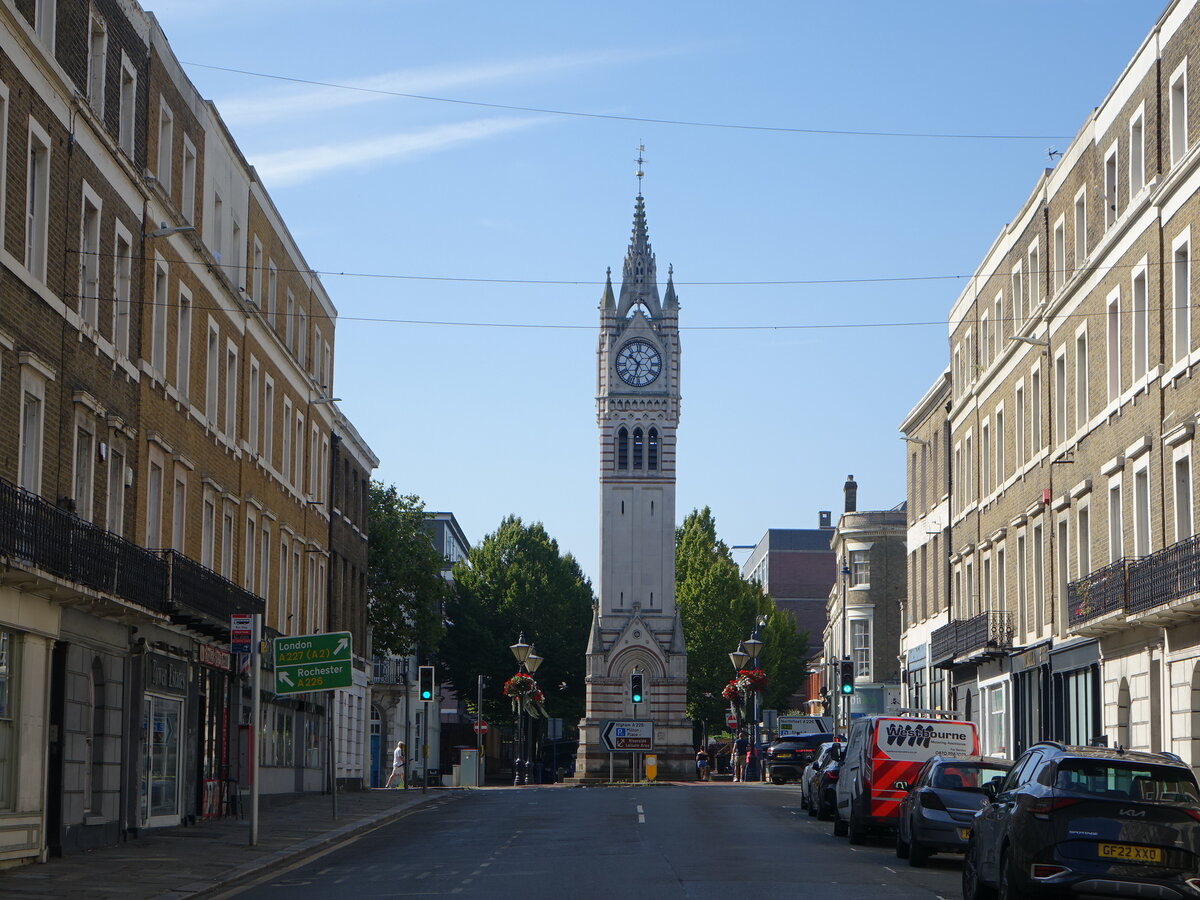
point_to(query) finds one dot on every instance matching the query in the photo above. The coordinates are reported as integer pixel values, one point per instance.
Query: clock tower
(635, 625)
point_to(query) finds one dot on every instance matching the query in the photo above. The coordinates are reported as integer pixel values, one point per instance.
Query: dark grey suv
(1087, 820)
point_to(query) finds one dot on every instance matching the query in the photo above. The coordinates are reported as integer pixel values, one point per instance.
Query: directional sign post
(313, 662)
(632, 736)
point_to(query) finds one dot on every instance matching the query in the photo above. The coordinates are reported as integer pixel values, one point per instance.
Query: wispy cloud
(296, 101)
(291, 167)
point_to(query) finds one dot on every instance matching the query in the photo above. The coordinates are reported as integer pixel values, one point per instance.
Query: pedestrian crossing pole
(256, 718)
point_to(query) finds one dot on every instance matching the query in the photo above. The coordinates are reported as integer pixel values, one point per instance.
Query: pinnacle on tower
(639, 278)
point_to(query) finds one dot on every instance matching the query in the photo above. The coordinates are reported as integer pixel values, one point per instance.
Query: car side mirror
(991, 789)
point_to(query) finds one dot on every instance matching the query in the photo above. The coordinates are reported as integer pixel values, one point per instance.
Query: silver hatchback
(941, 803)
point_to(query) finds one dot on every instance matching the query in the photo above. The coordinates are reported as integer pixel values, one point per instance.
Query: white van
(882, 757)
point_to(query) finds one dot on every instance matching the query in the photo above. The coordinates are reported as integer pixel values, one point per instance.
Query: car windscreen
(802, 742)
(1127, 780)
(959, 775)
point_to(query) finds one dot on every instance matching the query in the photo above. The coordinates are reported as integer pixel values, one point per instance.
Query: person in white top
(397, 765)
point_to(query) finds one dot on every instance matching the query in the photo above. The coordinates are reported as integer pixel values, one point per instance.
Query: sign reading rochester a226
(312, 662)
(616, 736)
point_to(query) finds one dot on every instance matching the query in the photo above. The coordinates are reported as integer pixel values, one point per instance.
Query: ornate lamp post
(521, 651)
(753, 648)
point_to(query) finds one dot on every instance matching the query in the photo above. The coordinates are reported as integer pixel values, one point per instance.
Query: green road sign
(313, 662)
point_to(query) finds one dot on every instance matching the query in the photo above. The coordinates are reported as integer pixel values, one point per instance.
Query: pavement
(215, 854)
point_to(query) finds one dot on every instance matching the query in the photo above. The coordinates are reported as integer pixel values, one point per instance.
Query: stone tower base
(672, 746)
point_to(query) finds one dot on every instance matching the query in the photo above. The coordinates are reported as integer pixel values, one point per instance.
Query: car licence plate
(783, 754)
(1131, 853)
(964, 834)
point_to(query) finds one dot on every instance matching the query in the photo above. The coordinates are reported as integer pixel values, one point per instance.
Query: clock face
(638, 363)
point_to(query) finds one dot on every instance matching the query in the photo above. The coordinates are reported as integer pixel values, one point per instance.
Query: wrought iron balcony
(942, 643)
(205, 600)
(40, 536)
(1097, 594)
(988, 632)
(1169, 575)
(389, 671)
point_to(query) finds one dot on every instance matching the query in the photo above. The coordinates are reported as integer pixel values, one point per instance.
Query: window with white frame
(183, 353)
(1110, 186)
(179, 511)
(83, 489)
(288, 429)
(967, 601)
(127, 108)
(1001, 598)
(289, 323)
(114, 517)
(89, 258)
(187, 201)
(1035, 409)
(1137, 153)
(1060, 253)
(860, 568)
(1039, 578)
(302, 339)
(1019, 424)
(860, 647)
(298, 448)
(1083, 536)
(122, 289)
(227, 539)
(1001, 468)
(995, 706)
(1141, 508)
(294, 603)
(268, 416)
(1082, 406)
(1018, 295)
(1022, 585)
(1033, 277)
(217, 228)
(154, 505)
(37, 201)
(208, 529)
(1112, 341)
(212, 374)
(252, 411)
(1181, 296)
(1178, 113)
(97, 63)
(231, 392)
(1081, 241)
(999, 330)
(254, 279)
(985, 340)
(1141, 325)
(158, 332)
(272, 292)
(45, 16)
(33, 425)
(1116, 524)
(985, 457)
(969, 484)
(251, 540)
(1061, 426)
(264, 558)
(166, 146)
(1062, 566)
(1183, 494)
(10, 690)
(985, 587)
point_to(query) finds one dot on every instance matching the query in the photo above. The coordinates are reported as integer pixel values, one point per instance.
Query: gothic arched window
(637, 448)
(623, 448)
(652, 450)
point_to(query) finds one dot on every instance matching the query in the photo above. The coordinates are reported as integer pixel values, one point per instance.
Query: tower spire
(639, 277)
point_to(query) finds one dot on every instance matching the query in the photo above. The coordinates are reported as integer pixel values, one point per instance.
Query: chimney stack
(824, 519)
(851, 490)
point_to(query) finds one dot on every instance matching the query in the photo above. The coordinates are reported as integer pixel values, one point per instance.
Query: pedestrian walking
(741, 747)
(702, 765)
(397, 765)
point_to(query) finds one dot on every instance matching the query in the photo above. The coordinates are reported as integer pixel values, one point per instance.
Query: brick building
(166, 372)
(1053, 466)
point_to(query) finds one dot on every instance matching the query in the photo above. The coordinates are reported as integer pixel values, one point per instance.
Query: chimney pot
(851, 490)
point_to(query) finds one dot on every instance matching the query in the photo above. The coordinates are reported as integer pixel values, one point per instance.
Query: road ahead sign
(620, 736)
(313, 662)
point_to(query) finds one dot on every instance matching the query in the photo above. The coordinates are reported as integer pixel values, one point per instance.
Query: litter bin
(433, 777)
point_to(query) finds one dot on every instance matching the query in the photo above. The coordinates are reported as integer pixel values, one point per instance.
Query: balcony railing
(58, 542)
(195, 588)
(389, 671)
(943, 642)
(1169, 574)
(1098, 593)
(991, 630)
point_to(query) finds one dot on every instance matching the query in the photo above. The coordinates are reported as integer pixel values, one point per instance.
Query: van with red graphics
(882, 758)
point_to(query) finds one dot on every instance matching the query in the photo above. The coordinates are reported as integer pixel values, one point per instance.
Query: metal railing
(1098, 593)
(943, 641)
(41, 535)
(1165, 575)
(388, 671)
(993, 629)
(202, 590)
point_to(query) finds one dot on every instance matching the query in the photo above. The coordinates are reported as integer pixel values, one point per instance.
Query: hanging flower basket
(732, 692)
(752, 680)
(519, 685)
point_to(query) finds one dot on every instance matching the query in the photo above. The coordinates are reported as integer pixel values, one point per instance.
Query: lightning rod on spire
(640, 166)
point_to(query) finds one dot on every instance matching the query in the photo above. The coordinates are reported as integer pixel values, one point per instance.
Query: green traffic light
(847, 689)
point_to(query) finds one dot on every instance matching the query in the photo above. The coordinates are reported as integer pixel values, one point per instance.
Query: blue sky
(515, 215)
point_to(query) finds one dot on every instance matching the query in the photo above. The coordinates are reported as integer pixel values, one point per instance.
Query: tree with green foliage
(514, 582)
(405, 587)
(719, 610)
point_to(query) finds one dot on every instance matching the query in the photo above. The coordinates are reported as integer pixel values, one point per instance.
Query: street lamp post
(738, 657)
(527, 659)
(754, 647)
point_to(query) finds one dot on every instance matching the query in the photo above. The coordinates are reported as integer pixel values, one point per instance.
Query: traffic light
(425, 682)
(847, 667)
(635, 687)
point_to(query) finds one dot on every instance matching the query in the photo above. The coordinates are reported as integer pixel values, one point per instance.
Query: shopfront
(213, 780)
(1031, 693)
(1075, 674)
(160, 795)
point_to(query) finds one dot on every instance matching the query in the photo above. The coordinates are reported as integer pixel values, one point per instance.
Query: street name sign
(313, 662)
(621, 736)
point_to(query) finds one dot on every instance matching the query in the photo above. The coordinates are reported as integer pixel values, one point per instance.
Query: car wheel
(839, 827)
(1007, 890)
(804, 804)
(814, 806)
(824, 809)
(775, 779)
(918, 854)
(972, 887)
(902, 846)
(857, 830)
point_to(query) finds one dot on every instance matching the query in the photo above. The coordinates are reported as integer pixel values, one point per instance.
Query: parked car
(882, 758)
(1070, 820)
(819, 784)
(936, 814)
(788, 756)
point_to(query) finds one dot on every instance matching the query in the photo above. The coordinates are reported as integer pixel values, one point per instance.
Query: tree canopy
(405, 587)
(719, 610)
(514, 582)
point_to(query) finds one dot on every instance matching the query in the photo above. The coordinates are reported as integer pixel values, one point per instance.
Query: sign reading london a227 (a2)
(313, 662)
